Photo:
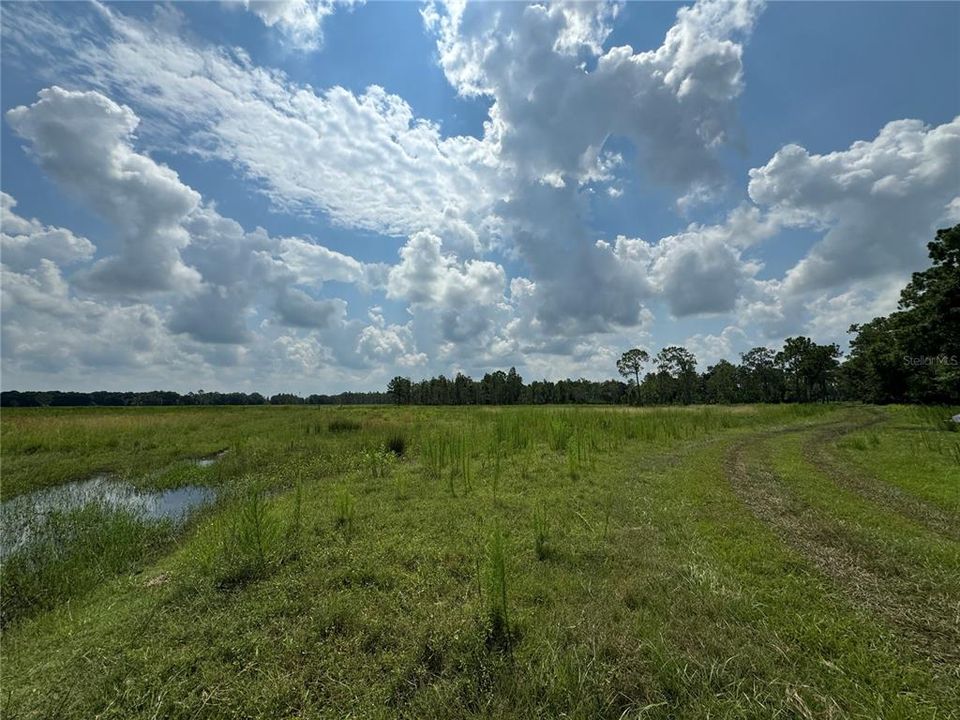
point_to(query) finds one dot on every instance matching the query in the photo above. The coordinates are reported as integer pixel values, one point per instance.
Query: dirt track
(928, 622)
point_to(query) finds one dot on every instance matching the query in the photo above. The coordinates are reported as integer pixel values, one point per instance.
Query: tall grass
(541, 532)
(342, 424)
(73, 551)
(254, 537)
(498, 632)
(345, 511)
(449, 456)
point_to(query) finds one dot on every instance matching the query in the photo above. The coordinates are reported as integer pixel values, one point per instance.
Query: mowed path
(891, 554)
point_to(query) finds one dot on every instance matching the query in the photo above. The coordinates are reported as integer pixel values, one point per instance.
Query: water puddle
(210, 459)
(23, 516)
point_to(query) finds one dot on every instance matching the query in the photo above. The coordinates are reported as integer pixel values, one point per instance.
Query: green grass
(515, 562)
(913, 451)
(72, 552)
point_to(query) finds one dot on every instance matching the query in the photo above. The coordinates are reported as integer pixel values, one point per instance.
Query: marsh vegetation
(587, 562)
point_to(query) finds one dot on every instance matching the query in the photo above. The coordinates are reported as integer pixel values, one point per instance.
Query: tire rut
(890, 497)
(930, 625)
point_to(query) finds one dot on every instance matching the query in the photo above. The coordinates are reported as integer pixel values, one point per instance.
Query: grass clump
(341, 425)
(498, 630)
(255, 539)
(397, 444)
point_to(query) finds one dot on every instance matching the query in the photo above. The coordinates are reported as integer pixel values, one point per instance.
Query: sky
(311, 197)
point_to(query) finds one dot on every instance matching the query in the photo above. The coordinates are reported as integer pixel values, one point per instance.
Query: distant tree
(399, 388)
(761, 379)
(721, 383)
(630, 365)
(680, 365)
(513, 387)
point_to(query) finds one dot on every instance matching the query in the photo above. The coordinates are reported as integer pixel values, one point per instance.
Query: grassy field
(738, 562)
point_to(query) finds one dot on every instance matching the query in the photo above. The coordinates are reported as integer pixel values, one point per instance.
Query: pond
(25, 515)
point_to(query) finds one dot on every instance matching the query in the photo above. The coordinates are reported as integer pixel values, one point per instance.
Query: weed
(345, 511)
(541, 532)
(498, 632)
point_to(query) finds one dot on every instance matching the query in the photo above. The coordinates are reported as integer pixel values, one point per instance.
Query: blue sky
(210, 195)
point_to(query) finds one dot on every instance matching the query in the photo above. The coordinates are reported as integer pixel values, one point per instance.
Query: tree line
(104, 398)
(910, 356)
(802, 371)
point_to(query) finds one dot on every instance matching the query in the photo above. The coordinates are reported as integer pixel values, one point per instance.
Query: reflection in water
(22, 517)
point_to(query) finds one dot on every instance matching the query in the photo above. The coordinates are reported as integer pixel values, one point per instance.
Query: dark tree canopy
(913, 355)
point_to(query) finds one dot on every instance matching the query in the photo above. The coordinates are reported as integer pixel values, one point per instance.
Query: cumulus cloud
(83, 140)
(48, 329)
(389, 343)
(300, 21)
(299, 309)
(24, 243)
(551, 115)
(699, 274)
(878, 201)
(363, 159)
(558, 97)
(464, 300)
(500, 261)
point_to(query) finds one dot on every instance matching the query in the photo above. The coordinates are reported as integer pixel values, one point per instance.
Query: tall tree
(681, 365)
(761, 380)
(630, 365)
(721, 383)
(400, 389)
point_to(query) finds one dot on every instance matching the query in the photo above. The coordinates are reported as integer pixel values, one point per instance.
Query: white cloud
(26, 242)
(552, 116)
(301, 21)
(569, 119)
(313, 263)
(298, 309)
(879, 201)
(698, 274)
(364, 159)
(46, 328)
(83, 140)
(389, 343)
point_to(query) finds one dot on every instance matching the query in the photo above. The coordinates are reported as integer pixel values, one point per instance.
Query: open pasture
(747, 561)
